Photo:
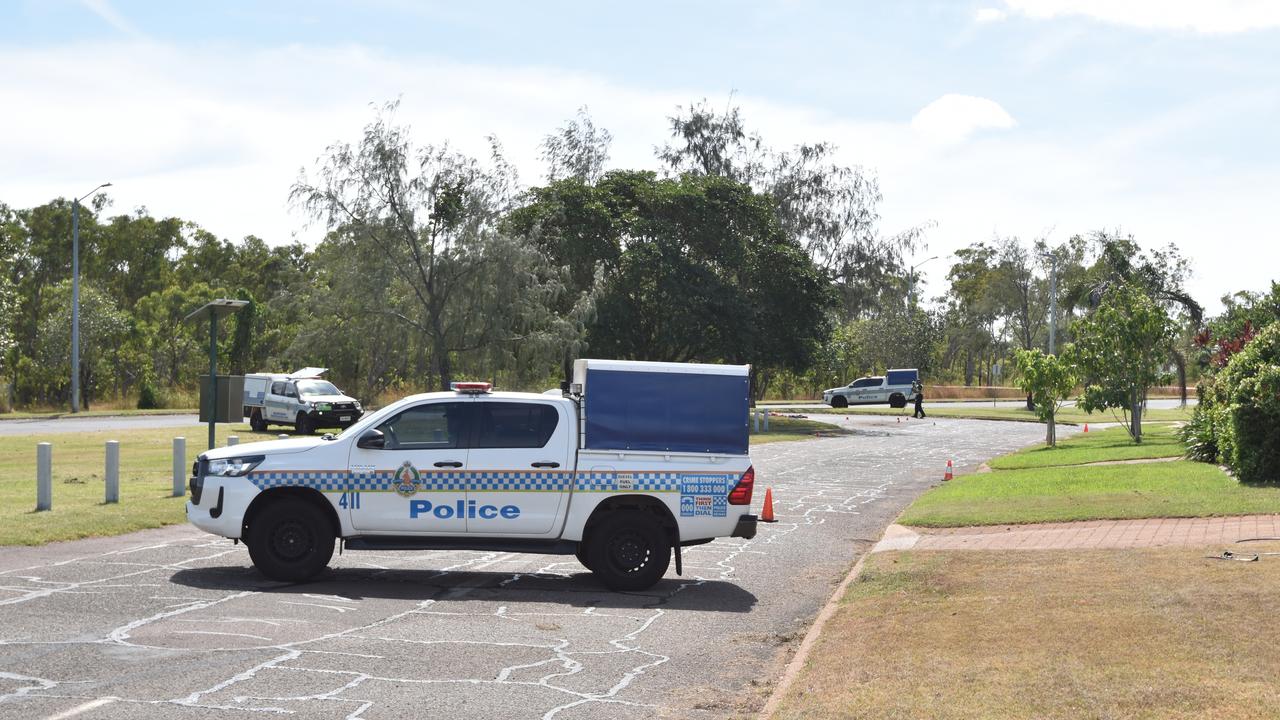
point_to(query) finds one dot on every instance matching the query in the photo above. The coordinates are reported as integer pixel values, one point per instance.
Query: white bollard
(44, 476)
(179, 466)
(283, 436)
(113, 471)
(755, 420)
(233, 440)
(766, 421)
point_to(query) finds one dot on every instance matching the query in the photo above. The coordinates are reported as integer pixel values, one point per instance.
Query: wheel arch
(642, 503)
(307, 495)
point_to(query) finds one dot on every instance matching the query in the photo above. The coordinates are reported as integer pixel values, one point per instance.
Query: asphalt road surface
(173, 623)
(94, 423)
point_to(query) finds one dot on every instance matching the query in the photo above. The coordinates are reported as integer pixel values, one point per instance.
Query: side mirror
(372, 440)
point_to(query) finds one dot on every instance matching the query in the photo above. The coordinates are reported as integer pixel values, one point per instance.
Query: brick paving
(1092, 534)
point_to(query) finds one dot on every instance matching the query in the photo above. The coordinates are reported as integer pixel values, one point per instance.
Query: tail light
(741, 493)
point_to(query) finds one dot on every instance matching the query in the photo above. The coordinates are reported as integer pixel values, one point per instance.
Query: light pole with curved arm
(911, 280)
(75, 297)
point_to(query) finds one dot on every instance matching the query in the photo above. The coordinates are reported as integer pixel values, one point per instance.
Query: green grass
(1067, 415)
(783, 429)
(1111, 444)
(1058, 494)
(146, 472)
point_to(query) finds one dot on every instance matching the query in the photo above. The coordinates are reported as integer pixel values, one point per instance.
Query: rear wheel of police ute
(629, 551)
(290, 540)
(256, 423)
(897, 401)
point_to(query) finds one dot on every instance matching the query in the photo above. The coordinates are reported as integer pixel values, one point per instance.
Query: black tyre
(839, 401)
(581, 554)
(897, 400)
(290, 540)
(303, 425)
(629, 551)
(256, 423)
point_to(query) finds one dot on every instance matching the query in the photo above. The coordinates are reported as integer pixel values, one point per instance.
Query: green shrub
(149, 398)
(1202, 434)
(1250, 442)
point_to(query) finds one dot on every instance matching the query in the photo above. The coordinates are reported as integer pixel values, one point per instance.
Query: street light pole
(1053, 300)
(75, 297)
(911, 280)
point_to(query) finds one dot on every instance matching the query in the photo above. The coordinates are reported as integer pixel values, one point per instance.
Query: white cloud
(989, 15)
(952, 117)
(1203, 16)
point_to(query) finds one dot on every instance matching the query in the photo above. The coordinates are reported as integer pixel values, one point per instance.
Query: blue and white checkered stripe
(640, 481)
(489, 481)
(486, 481)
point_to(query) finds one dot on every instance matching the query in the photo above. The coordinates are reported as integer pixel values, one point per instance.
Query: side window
(437, 426)
(865, 382)
(516, 425)
(290, 390)
(277, 388)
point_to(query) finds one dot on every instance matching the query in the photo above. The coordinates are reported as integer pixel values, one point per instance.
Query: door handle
(449, 463)
(546, 465)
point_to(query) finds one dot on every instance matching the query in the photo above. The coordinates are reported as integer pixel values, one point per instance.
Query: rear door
(415, 483)
(521, 467)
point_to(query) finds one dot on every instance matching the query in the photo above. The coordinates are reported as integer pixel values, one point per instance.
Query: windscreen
(316, 387)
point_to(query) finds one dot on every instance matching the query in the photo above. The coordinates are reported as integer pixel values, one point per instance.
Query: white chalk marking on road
(212, 632)
(83, 708)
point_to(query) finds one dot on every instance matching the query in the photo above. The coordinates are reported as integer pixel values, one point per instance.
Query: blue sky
(1010, 117)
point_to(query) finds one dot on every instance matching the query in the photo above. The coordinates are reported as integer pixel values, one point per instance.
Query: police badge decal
(407, 480)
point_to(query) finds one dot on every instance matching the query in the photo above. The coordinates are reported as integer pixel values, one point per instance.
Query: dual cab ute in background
(893, 388)
(301, 399)
(634, 461)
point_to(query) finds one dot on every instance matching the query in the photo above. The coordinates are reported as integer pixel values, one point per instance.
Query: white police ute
(633, 461)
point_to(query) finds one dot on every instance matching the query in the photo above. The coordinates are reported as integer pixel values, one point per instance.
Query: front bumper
(333, 418)
(218, 503)
(746, 527)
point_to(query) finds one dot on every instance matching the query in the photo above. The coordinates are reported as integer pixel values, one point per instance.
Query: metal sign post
(214, 309)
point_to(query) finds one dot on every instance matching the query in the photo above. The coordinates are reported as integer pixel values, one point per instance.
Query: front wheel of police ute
(629, 552)
(290, 540)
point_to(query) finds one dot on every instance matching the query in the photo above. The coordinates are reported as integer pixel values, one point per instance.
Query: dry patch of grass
(784, 429)
(1160, 634)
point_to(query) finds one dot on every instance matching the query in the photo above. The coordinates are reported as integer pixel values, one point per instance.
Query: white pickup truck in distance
(892, 389)
(637, 460)
(301, 399)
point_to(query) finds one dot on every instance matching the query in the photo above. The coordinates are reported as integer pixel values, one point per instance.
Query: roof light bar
(471, 388)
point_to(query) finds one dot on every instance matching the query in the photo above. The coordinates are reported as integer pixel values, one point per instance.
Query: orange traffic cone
(1086, 427)
(949, 475)
(766, 515)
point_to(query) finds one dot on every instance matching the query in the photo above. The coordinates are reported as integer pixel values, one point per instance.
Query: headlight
(234, 467)
(359, 407)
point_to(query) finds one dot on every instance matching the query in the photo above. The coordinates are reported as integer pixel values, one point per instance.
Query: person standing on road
(917, 390)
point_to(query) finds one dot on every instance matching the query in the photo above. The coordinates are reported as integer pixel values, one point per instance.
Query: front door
(415, 482)
(276, 404)
(521, 467)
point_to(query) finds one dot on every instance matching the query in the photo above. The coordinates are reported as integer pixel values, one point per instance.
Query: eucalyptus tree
(435, 213)
(829, 208)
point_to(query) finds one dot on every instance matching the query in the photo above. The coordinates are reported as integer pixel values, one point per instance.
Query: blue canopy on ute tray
(671, 407)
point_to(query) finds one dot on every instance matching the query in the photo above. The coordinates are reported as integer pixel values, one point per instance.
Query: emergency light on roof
(472, 387)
